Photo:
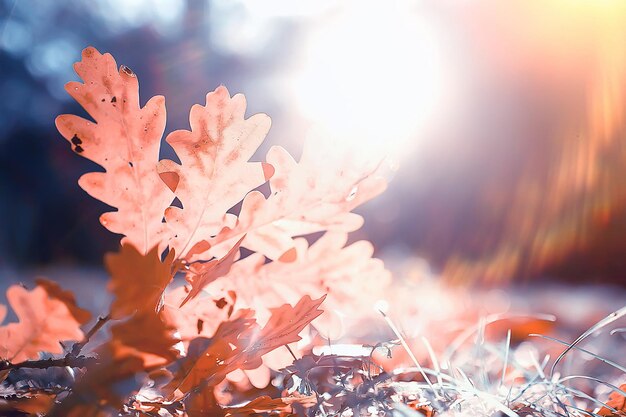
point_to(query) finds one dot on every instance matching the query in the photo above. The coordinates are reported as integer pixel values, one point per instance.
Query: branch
(74, 362)
(102, 320)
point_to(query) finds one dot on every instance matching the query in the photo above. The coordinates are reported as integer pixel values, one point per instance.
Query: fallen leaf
(617, 400)
(43, 323)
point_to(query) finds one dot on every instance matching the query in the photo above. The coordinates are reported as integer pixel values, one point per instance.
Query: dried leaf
(145, 335)
(125, 141)
(202, 275)
(240, 344)
(137, 280)
(34, 404)
(215, 173)
(306, 197)
(282, 328)
(353, 280)
(44, 321)
(54, 290)
(264, 404)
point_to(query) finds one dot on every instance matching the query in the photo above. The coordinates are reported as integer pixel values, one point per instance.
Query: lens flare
(371, 74)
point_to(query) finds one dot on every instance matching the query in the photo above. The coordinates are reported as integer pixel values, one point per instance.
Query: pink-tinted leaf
(349, 275)
(43, 323)
(125, 141)
(312, 195)
(215, 173)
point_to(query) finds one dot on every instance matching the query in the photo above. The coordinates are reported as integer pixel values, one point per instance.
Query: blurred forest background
(506, 119)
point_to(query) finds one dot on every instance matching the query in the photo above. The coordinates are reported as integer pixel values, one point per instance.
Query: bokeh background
(505, 118)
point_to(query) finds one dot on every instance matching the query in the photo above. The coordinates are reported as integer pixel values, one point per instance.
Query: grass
(473, 377)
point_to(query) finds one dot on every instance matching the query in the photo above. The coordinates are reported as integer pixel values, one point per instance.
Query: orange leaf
(137, 280)
(44, 321)
(200, 316)
(215, 173)
(209, 360)
(35, 404)
(54, 290)
(202, 275)
(264, 404)
(125, 141)
(282, 328)
(618, 402)
(240, 344)
(144, 336)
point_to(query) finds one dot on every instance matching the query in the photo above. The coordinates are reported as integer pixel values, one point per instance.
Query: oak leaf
(145, 335)
(125, 141)
(265, 404)
(240, 343)
(199, 317)
(137, 280)
(54, 290)
(282, 328)
(202, 274)
(353, 280)
(215, 173)
(315, 194)
(44, 322)
(209, 360)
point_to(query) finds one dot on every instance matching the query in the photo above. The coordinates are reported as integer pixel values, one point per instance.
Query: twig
(102, 320)
(74, 362)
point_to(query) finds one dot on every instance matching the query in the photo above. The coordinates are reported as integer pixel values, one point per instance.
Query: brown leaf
(240, 344)
(145, 336)
(208, 361)
(125, 141)
(44, 321)
(35, 404)
(283, 327)
(202, 275)
(264, 404)
(137, 280)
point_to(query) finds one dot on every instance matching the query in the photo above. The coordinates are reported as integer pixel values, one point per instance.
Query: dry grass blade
(602, 323)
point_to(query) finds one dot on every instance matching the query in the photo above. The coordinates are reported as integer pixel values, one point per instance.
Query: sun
(371, 74)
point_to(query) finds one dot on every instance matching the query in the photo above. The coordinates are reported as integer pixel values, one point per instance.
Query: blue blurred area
(179, 48)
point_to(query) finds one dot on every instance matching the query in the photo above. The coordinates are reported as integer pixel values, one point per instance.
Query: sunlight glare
(372, 75)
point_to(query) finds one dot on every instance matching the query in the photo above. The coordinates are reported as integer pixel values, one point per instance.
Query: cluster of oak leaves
(167, 349)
